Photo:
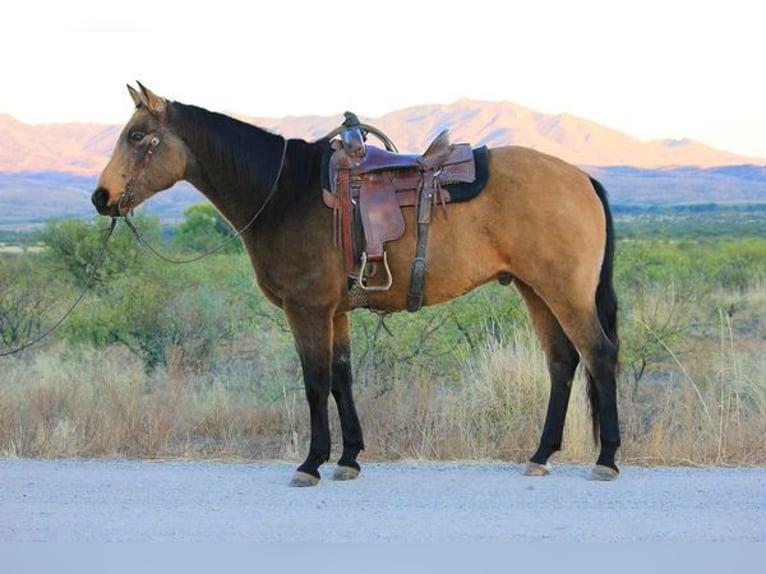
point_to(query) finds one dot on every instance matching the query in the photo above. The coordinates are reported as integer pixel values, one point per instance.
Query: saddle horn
(366, 129)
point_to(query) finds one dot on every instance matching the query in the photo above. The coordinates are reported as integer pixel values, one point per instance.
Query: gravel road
(119, 501)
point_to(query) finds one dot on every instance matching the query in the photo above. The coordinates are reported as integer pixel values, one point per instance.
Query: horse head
(149, 157)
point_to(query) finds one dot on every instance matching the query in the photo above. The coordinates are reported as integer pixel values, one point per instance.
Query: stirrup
(360, 280)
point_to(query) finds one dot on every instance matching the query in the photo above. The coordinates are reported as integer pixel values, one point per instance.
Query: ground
(131, 501)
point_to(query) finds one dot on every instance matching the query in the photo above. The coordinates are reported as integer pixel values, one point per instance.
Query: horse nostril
(100, 198)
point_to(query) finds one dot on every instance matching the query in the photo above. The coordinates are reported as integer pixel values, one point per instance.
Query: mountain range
(49, 169)
(83, 148)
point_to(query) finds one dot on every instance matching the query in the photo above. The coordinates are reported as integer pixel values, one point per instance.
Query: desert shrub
(204, 229)
(30, 297)
(73, 247)
(435, 338)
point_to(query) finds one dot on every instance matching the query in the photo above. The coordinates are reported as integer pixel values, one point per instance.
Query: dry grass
(707, 407)
(105, 404)
(711, 409)
(495, 412)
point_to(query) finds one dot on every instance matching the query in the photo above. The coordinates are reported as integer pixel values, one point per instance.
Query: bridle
(127, 195)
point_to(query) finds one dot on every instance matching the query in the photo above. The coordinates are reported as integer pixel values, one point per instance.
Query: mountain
(32, 198)
(83, 149)
(72, 148)
(50, 170)
(631, 187)
(574, 139)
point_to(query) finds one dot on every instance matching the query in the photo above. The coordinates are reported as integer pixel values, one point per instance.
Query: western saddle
(369, 186)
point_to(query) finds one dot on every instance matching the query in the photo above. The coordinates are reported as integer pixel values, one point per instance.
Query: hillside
(83, 149)
(71, 148)
(34, 197)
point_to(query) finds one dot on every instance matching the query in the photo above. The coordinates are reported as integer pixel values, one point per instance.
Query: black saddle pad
(466, 191)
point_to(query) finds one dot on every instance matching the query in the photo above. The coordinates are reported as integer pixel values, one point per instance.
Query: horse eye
(136, 136)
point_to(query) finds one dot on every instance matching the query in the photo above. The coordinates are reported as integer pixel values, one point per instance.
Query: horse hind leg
(598, 351)
(602, 393)
(562, 359)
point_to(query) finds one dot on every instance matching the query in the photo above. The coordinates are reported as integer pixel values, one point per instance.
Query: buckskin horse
(539, 223)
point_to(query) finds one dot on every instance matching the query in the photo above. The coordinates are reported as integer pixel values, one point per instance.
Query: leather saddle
(369, 186)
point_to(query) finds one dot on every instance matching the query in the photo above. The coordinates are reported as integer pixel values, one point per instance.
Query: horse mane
(239, 155)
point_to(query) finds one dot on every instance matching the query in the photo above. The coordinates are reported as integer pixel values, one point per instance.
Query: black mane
(239, 156)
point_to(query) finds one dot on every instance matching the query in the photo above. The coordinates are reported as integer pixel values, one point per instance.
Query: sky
(654, 69)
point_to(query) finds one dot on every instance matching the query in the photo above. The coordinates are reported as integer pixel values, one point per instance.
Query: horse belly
(460, 257)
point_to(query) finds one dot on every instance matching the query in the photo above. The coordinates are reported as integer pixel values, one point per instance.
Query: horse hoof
(534, 469)
(301, 479)
(345, 473)
(604, 473)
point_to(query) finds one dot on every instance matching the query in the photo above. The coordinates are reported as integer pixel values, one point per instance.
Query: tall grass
(105, 404)
(710, 409)
(707, 406)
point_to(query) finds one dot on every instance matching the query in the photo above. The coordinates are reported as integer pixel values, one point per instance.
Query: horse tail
(606, 300)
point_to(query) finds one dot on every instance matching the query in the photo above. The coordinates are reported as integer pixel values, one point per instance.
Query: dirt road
(119, 501)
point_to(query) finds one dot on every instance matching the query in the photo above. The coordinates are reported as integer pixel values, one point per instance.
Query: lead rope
(272, 192)
(88, 283)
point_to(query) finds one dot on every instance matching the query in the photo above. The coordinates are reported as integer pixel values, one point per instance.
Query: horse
(541, 224)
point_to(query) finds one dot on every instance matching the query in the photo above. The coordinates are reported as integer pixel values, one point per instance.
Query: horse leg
(312, 329)
(353, 442)
(599, 354)
(602, 391)
(562, 359)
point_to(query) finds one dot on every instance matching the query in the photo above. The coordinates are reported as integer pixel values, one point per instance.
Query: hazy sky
(651, 68)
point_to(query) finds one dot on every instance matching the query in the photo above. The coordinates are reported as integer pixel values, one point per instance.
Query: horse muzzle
(100, 199)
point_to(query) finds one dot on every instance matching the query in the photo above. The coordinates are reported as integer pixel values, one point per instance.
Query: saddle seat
(377, 159)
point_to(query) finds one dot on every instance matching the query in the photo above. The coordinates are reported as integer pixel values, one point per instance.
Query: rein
(238, 233)
(71, 308)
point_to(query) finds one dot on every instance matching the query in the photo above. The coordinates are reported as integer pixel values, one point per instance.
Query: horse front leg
(347, 468)
(312, 330)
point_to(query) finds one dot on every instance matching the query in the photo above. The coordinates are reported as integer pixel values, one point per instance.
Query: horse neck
(234, 164)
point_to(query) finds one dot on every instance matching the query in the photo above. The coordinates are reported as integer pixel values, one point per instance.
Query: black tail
(606, 299)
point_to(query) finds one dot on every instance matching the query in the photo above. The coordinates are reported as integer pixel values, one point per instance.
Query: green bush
(30, 297)
(199, 313)
(204, 229)
(74, 246)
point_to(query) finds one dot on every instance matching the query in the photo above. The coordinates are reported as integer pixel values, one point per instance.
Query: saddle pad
(467, 191)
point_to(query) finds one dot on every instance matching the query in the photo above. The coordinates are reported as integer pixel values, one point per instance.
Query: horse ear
(135, 96)
(153, 102)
